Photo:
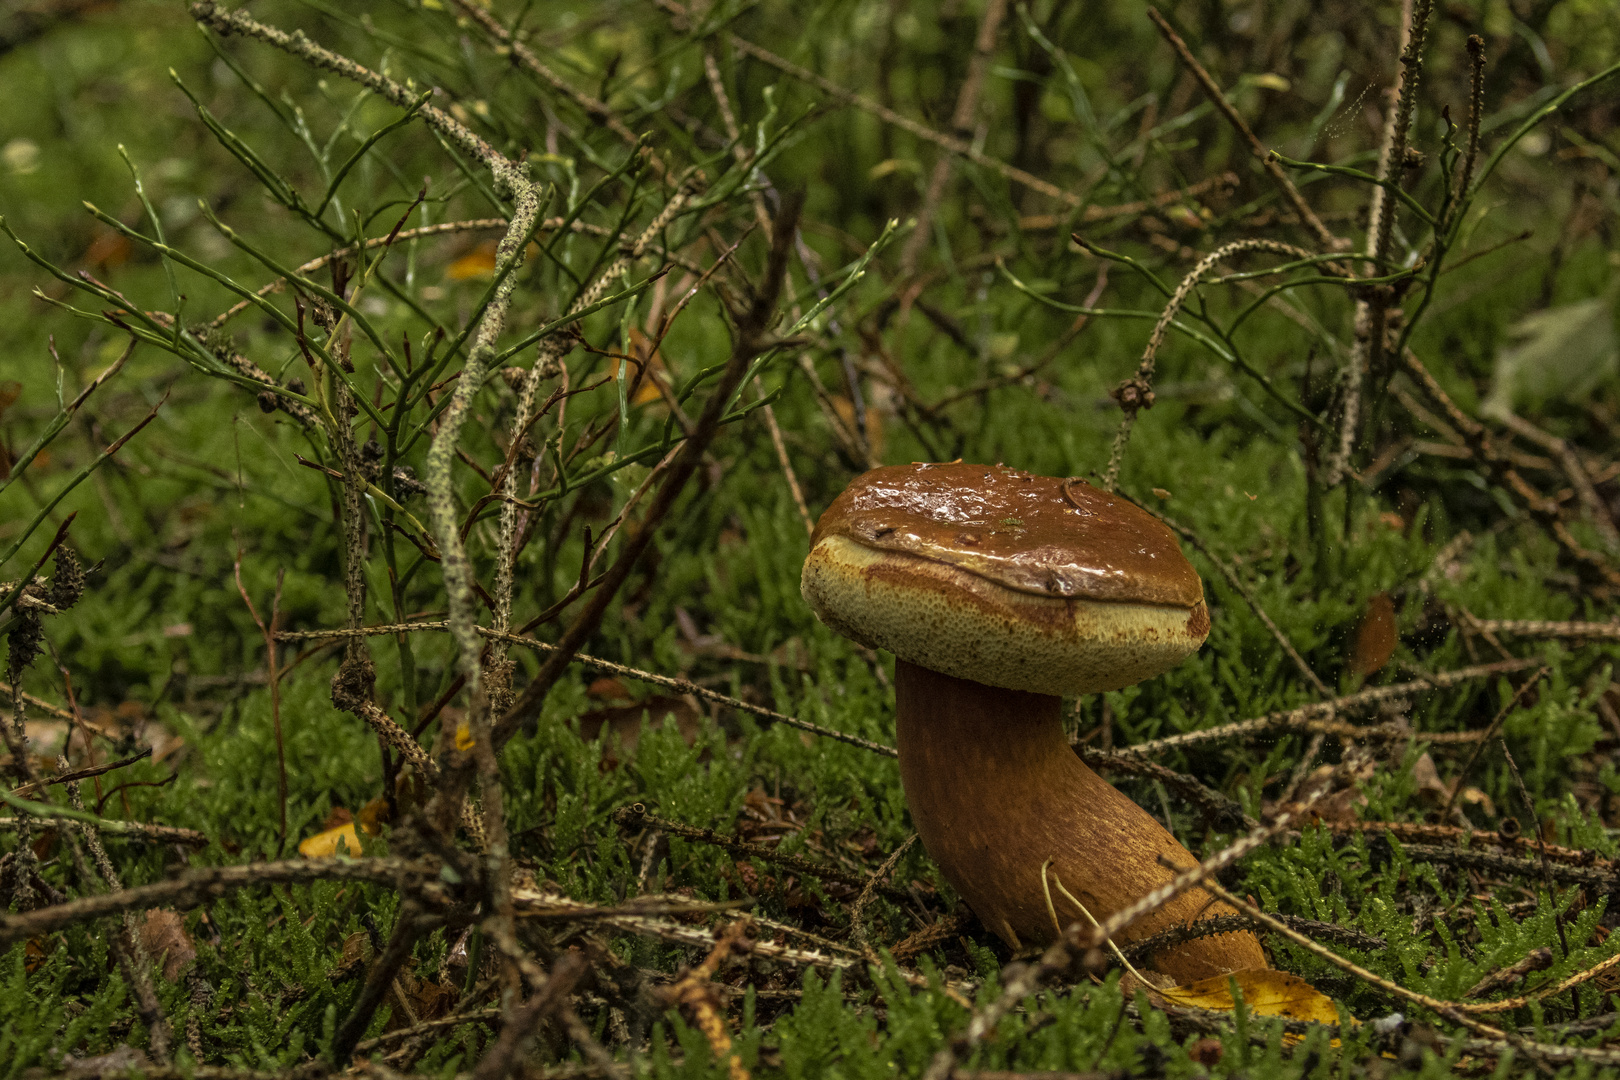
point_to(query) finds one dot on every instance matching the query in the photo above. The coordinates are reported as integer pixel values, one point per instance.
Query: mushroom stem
(995, 790)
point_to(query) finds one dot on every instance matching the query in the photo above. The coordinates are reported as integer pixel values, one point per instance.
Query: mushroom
(999, 591)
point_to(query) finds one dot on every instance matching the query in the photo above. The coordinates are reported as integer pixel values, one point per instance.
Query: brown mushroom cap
(1006, 578)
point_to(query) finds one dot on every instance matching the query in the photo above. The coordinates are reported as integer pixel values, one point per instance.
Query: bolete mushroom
(999, 591)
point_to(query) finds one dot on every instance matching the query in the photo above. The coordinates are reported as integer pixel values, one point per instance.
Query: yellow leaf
(1269, 993)
(464, 739)
(324, 845)
(477, 263)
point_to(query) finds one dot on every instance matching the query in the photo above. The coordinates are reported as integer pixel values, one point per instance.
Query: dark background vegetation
(948, 347)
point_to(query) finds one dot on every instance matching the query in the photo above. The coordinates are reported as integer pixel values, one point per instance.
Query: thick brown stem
(995, 791)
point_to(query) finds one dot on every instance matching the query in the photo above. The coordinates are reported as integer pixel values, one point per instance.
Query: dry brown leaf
(1427, 779)
(608, 688)
(1376, 637)
(374, 815)
(34, 955)
(1434, 791)
(108, 249)
(163, 932)
(624, 721)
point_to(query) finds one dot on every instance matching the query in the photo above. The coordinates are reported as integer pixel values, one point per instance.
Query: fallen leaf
(1376, 637)
(374, 815)
(163, 932)
(34, 955)
(1206, 1052)
(1437, 792)
(624, 721)
(339, 815)
(108, 249)
(608, 688)
(324, 845)
(1266, 992)
(1427, 779)
(356, 950)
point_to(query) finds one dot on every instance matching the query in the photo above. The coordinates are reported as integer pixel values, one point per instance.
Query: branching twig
(636, 816)
(967, 108)
(680, 686)
(1136, 393)
(1213, 91)
(750, 341)
(1320, 714)
(960, 147)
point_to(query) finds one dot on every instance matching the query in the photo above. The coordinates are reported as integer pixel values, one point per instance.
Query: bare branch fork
(750, 340)
(1136, 393)
(547, 364)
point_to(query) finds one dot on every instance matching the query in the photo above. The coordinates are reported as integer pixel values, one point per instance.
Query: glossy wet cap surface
(1040, 535)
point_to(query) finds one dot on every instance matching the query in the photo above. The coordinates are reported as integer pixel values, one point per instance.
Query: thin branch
(225, 22)
(635, 816)
(195, 887)
(960, 147)
(1544, 628)
(680, 686)
(750, 341)
(1490, 733)
(1213, 91)
(962, 120)
(1320, 714)
(1136, 393)
(1580, 481)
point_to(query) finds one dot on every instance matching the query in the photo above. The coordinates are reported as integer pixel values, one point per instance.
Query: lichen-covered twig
(1136, 393)
(680, 686)
(1322, 713)
(196, 886)
(1549, 628)
(749, 341)
(694, 993)
(79, 821)
(547, 360)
